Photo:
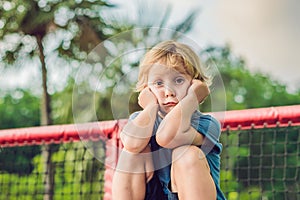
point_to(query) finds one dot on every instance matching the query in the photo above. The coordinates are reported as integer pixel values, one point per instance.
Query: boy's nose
(169, 92)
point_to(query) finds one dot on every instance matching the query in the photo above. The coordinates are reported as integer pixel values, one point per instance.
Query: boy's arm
(137, 132)
(175, 129)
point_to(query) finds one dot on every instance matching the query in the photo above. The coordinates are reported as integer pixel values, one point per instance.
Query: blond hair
(174, 55)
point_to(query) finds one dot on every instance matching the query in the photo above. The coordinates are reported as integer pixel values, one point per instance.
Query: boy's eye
(179, 80)
(158, 83)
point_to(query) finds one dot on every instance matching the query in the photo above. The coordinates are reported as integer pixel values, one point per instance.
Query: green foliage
(78, 171)
(19, 109)
(61, 104)
(21, 20)
(77, 175)
(18, 160)
(245, 89)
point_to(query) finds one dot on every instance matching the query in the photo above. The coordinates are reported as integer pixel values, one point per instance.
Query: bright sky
(265, 33)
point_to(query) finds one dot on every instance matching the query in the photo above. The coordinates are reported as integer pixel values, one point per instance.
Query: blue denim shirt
(162, 157)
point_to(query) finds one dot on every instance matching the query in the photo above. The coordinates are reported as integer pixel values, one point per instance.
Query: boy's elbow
(164, 139)
(130, 144)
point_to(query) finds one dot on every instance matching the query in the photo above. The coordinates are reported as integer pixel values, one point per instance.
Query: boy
(171, 150)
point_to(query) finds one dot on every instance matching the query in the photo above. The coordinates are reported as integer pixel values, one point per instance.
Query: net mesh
(261, 163)
(256, 163)
(77, 174)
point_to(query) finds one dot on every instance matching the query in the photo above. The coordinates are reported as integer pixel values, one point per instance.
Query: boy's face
(168, 85)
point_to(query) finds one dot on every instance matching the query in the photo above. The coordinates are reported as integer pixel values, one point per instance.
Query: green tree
(245, 89)
(18, 109)
(24, 27)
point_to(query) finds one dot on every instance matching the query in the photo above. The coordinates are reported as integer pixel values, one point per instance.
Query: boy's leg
(131, 175)
(190, 174)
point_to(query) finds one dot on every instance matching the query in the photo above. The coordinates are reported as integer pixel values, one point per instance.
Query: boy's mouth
(170, 104)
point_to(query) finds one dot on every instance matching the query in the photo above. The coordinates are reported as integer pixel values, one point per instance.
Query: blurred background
(43, 44)
(65, 61)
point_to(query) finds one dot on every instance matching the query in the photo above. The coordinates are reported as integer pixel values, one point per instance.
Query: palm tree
(36, 19)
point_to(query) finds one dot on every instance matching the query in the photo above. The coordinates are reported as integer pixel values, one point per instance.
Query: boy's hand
(199, 89)
(146, 97)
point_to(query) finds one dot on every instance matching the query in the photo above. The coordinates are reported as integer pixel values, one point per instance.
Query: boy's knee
(188, 156)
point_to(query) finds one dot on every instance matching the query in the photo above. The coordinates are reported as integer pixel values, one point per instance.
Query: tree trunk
(46, 120)
(45, 105)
